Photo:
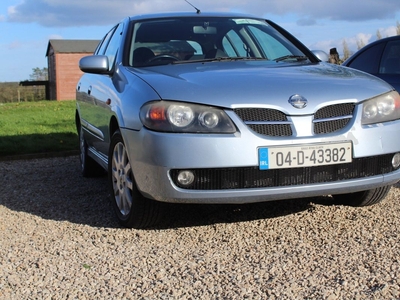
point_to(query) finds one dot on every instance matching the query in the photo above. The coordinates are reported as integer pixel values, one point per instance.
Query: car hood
(259, 83)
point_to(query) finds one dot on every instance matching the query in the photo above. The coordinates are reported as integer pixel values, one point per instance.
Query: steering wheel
(162, 57)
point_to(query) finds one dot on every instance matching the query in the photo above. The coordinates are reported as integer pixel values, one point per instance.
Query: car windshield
(185, 40)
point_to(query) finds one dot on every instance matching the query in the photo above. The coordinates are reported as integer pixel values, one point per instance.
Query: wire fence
(13, 92)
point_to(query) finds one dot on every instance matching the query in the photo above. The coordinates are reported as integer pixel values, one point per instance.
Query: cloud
(390, 31)
(342, 10)
(61, 13)
(15, 45)
(55, 37)
(306, 22)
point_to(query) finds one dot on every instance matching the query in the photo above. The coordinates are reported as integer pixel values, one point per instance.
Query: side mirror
(97, 64)
(321, 55)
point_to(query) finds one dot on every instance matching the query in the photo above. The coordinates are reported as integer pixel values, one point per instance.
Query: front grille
(333, 117)
(272, 122)
(252, 177)
(272, 129)
(334, 111)
(265, 121)
(260, 114)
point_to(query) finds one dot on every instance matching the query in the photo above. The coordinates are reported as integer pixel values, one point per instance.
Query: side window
(390, 63)
(103, 45)
(113, 46)
(368, 60)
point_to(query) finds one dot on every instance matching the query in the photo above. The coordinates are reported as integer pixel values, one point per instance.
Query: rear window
(368, 61)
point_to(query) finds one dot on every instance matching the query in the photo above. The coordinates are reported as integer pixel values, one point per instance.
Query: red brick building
(62, 58)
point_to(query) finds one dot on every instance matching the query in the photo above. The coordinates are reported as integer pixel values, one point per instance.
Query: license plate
(304, 155)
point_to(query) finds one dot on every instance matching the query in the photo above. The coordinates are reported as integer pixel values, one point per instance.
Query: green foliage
(37, 127)
(39, 74)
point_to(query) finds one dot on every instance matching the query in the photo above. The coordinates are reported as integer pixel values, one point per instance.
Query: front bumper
(153, 155)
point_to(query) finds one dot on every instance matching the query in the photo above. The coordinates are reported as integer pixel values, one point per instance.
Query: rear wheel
(132, 209)
(364, 198)
(89, 167)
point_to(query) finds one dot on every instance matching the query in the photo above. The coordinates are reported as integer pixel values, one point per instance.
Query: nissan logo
(298, 101)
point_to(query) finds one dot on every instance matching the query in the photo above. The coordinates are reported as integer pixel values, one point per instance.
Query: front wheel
(364, 198)
(132, 209)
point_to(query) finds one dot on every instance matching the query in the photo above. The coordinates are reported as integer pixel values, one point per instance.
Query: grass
(37, 127)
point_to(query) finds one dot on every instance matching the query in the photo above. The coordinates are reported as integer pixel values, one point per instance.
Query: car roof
(383, 40)
(191, 14)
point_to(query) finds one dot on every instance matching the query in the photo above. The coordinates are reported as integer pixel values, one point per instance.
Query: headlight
(383, 108)
(185, 117)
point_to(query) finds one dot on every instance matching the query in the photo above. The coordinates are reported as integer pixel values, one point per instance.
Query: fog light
(396, 161)
(186, 178)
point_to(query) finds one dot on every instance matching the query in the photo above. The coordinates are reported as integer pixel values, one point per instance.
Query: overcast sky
(27, 25)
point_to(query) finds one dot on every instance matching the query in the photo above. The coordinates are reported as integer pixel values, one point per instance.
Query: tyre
(364, 198)
(89, 167)
(132, 209)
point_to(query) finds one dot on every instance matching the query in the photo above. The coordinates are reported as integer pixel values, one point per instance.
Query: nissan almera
(229, 108)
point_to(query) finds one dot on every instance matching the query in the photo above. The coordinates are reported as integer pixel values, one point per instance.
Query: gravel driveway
(59, 240)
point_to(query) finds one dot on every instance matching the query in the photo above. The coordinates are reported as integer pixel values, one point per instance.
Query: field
(37, 127)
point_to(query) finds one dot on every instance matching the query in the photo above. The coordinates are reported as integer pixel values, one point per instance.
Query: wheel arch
(77, 120)
(114, 126)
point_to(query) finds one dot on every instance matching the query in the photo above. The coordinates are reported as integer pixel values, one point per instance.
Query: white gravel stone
(59, 240)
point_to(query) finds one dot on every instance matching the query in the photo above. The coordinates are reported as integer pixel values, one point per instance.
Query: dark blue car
(380, 58)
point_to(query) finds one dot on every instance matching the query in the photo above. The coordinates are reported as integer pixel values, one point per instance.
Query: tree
(378, 34)
(39, 74)
(346, 50)
(360, 44)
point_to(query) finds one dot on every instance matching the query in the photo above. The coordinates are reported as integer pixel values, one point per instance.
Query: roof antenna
(197, 10)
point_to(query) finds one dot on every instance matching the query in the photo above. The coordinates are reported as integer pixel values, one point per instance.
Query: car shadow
(54, 189)
(191, 215)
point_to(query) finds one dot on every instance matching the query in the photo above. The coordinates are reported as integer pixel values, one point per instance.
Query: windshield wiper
(223, 58)
(288, 57)
(239, 58)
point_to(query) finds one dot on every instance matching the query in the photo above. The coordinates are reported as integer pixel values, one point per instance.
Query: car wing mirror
(321, 55)
(97, 64)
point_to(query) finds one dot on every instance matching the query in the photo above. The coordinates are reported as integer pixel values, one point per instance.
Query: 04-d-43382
(304, 155)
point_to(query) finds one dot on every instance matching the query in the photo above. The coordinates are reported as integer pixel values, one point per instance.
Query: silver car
(229, 108)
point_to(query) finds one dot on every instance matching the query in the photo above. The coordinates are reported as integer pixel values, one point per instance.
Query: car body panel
(270, 83)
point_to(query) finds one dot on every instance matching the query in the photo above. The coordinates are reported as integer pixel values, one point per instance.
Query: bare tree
(360, 44)
(378, 34)
(346, 50)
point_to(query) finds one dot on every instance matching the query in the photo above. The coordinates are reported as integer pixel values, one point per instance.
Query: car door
(99, 92)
